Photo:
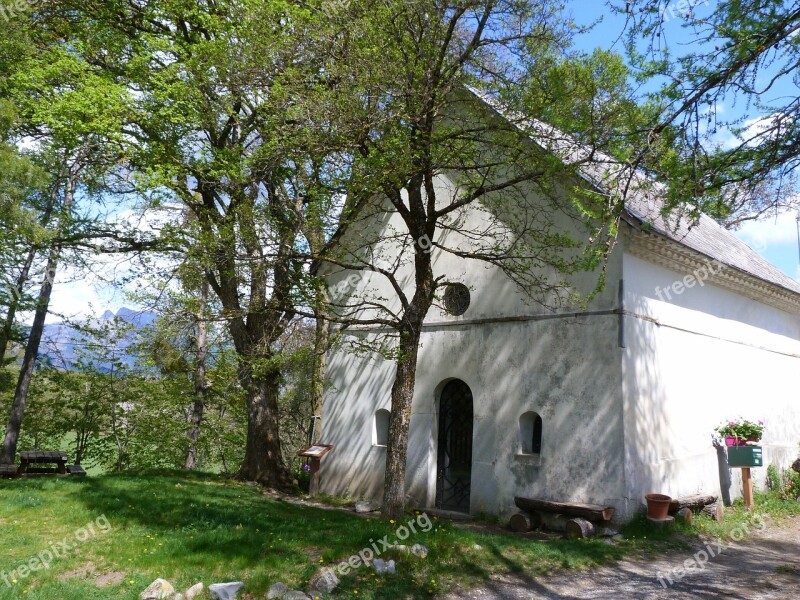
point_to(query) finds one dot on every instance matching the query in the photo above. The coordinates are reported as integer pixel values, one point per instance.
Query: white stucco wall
(712, 356)
(566, 369)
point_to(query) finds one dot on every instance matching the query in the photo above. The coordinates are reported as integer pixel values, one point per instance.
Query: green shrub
(773, 478)
(790, 485)
(302, 474)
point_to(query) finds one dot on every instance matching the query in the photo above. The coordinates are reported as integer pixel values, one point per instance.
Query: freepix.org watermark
(678, 9)
(711, 550)
(696, 277)
(422, 522)
(349, 283)
(100, 526)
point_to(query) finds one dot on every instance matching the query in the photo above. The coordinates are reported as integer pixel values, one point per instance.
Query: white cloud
(749, 128)
(88, 291)
(780, 230)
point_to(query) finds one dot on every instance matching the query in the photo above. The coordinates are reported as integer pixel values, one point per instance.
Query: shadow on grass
(204, 524)
(209, 523)
(196, 503)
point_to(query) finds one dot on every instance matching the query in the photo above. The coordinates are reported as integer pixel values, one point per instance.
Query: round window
(456, 299)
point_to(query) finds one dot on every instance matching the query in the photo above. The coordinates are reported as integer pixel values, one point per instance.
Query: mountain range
(62, 342)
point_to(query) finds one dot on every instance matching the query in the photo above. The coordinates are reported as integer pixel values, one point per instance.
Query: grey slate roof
(711, 239)
(643, 200)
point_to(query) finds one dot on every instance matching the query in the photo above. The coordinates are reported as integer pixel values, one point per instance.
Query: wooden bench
(8, 470)
(76, 470)
(37, 457)
(575, 519)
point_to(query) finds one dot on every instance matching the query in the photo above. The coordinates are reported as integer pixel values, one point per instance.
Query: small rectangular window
(530, 433)
(380, 428)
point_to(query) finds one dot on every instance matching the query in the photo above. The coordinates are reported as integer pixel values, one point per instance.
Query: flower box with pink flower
(741, 432)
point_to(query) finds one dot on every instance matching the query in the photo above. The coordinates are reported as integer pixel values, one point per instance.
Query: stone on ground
(225, 591)
(606, 532)
(365, 506)
(194, 591)
(419, 550)
(324, 581)
(158, 590)
(381, 566)
(277, 590)
(295, 595)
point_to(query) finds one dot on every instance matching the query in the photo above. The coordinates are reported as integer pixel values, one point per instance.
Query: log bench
(695, 502)
(575, 519)
(698, 503)
(590, 512)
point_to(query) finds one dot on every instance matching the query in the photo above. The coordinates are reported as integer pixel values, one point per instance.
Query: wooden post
(747, 484)
(313, 486)
(315, 453)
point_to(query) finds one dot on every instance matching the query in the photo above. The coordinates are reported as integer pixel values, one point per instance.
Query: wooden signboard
(315, 453)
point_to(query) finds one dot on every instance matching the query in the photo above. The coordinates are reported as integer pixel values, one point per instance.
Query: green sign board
(745, 456)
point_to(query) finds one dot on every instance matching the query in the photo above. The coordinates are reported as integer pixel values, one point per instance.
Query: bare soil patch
(764, 566)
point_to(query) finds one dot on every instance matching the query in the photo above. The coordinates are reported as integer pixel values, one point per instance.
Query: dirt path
(765, 565)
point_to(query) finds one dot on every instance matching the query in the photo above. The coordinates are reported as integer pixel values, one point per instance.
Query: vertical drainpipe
(621, 314)
(621, 343)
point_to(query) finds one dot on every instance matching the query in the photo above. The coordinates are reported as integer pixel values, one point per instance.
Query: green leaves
(726, 101)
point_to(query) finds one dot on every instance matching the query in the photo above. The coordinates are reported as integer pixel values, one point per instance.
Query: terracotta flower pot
(657, 506)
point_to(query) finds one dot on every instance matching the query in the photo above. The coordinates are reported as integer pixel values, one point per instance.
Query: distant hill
(61, 341)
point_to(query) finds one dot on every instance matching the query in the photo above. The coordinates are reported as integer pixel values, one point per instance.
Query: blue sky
(774, 237)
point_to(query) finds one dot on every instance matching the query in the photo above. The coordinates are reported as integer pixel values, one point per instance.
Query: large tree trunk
(256, 328)
(263, 461)
(394, 485)
(14, 426)
(200, 380)
(321, 339)
(17, 413)
(22, 278)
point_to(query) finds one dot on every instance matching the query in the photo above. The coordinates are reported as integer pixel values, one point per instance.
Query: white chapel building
(602, 404)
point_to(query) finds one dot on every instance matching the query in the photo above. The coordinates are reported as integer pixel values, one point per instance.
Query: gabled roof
(644, 203)
(709, 238)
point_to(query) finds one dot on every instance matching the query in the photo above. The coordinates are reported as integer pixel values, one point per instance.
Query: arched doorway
(454, 457)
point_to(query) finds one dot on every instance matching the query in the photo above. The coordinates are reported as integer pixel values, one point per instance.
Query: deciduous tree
(725, 137)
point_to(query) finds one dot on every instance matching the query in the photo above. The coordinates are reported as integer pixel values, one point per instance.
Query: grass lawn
(123, 531)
